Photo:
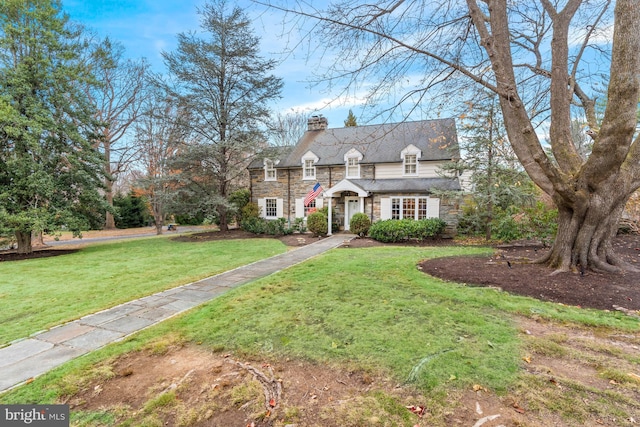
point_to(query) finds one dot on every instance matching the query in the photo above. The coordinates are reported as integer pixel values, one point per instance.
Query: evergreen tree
(49, 172)
(224, 87)
(351, 120)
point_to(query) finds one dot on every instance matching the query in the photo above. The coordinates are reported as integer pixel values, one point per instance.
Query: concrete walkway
(41, 352)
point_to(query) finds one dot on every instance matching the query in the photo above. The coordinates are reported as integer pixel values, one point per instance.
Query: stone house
(387, 171)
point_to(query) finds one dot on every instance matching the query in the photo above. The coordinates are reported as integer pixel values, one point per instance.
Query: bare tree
(286, 129)
(159, 133)
(117, 99)
(531, 54)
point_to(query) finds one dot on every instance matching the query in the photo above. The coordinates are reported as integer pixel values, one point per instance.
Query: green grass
(41, 293)
(364, 309)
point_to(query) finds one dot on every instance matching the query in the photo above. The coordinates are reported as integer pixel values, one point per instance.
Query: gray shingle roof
(437, 139)
(407, 185)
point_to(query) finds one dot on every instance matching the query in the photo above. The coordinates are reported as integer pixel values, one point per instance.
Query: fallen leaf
(634, 376)
(272, 403)
(527, 359)
(418, 410)
(268, 414)
(517, 408)
(478, 387)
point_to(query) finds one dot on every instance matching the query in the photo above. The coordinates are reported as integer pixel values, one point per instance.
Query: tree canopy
(49, 172)
(224, 87)
(532, 55)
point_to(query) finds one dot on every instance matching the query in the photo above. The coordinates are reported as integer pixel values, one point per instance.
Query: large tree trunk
(585, 233)
(24, 242)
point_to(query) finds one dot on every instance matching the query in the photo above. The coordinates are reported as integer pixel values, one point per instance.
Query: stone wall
(289, 183)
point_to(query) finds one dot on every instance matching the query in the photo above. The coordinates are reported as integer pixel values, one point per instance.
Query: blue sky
(147, 27)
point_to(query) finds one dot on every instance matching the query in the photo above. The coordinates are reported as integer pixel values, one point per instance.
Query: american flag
(317, 189)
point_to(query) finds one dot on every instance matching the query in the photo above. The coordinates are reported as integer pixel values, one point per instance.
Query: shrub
(360, 224)
(256, 225)
(317, 223)
(299, 225)
(399, 230)
(250, 210)
(239, 199)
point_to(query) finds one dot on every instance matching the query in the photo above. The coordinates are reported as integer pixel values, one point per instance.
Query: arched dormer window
(410, 156)
(352, 163)
(309, 161)
(270, 173)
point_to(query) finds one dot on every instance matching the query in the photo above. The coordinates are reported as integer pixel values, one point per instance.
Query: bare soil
(571, 376)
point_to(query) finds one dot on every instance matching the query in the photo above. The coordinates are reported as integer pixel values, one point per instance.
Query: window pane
(422, 207)
(410, 162)
(309, 169)
(409, 208)
(395, 208)
(352, 166)
(271, 207)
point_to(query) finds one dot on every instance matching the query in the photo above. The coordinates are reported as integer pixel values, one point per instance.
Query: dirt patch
(511, 270)
(188, 385)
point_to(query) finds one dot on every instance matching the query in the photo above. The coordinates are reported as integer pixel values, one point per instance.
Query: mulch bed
(603, 291)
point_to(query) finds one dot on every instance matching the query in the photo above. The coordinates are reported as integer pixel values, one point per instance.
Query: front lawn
(40, 293)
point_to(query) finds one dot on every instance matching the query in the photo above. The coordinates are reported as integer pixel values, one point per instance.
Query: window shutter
(319, 203)
(279, 208)
(300, 208)
(262, 204)
(385, 208)
(433, 208)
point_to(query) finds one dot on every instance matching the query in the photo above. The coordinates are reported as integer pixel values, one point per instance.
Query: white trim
(345, 185)
(352, 154)
(262, 204)
(410, 150)
(266, 163)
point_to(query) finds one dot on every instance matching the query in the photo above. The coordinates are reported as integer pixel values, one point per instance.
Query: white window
(271, 208)
(269, 170)
(353, 168)
(309, 161)
(410, 156)
(352, 163)
(309, 169)
(410, 164)
(412, 207)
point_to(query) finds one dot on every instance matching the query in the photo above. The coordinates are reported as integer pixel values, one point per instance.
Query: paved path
(44, 351)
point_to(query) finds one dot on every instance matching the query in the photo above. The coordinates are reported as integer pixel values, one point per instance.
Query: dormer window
(410, 164)
(352, 163)
(309, 169)
(309, 161)
(270, 170)
(410, 156)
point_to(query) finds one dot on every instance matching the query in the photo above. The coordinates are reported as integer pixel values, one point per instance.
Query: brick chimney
(317, 123)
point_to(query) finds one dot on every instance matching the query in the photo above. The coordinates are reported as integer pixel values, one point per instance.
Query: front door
(352, 207)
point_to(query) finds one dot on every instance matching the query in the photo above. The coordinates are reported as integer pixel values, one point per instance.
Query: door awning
(346, 185)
